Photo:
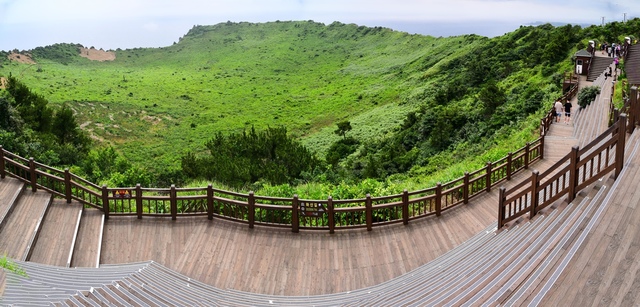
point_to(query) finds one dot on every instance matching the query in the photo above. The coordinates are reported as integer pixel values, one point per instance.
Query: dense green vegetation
(377, 110)
(29, 127)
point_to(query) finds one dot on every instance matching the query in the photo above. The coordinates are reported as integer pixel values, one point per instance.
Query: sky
(26, 24)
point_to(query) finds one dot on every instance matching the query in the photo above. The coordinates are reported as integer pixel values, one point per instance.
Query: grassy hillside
(418, 105)
(154, 104)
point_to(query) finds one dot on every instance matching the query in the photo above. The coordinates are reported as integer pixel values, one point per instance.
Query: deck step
(58, 230)
(24, 223)
(10, 190)
(88, 242)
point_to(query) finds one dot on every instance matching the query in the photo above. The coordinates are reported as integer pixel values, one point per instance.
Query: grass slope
(154, 104)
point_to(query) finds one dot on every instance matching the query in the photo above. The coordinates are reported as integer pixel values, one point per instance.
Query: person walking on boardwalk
(567, 111)
(559, 110)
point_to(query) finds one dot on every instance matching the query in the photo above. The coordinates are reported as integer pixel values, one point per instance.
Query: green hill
(157, 103)
(416, 103)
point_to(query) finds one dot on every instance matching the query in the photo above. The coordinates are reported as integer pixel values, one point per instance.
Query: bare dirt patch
(152, 119)
(21, 58)
(3, 82)
(97, 55)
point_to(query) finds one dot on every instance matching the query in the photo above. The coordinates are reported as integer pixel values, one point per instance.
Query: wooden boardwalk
(605, 269)
(271, 261)
(54, 241)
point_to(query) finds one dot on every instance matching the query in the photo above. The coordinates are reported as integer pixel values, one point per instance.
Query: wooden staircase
(36, 227)
(598, 66)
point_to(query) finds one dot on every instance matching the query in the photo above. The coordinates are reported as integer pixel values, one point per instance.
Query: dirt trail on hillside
(97, 55)
(21, 58)
(3, 82)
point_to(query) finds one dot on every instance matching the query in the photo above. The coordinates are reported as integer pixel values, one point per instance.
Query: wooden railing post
(32, 170)
(405, 207)
(509, 166)
(369, 212)
(3, 172)
(139, 200)
(438, 199)
(633, 105)
(501, 198)
(173, 200)
(534, 194)
(105, 201)
(465, 191)
(541, 148)
(573, 173)
(295, 220)
(526, 155)
(210, 202)
(332, 221)
(67, 185)
(252, 209)
(488, 179)
(620, 144)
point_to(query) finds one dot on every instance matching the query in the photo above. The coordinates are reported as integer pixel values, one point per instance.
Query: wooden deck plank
(10, 189)
(605, 269)
(54, 243)
(87, 243)
(276, 261)
(19, 227)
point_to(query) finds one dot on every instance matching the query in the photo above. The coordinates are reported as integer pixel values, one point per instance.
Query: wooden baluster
(526, 155)
(139, 201)
(620, 144)
(369, 212)
(533, 207)
(32, 170)
(105, 201)
(573, 173)
(501, 199)
(438, 199)
(466, 187)
(405, 207)
(67, 185)
(330, 211)
(509, 165)
(210, 202)
(295, 220)
(488, 178)
(252, 209)
(3, 172)
(173, 200)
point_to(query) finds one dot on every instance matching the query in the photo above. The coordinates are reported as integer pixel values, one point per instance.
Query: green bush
(587, 95)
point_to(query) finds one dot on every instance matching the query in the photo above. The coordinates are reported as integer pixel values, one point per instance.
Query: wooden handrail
(172, 202)
(523, 198)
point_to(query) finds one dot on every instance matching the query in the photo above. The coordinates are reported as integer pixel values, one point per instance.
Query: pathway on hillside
(270, 261)
(229, 255)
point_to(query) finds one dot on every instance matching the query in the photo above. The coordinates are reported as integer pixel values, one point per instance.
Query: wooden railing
(572, 173)
(250, 209)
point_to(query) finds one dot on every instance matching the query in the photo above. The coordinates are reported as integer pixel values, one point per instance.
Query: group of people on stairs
(560, 109)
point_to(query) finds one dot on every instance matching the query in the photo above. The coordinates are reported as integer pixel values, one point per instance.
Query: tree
(64, 125)
(343, 128)
(491, 97)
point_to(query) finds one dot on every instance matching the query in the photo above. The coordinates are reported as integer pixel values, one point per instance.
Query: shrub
(587, 95)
